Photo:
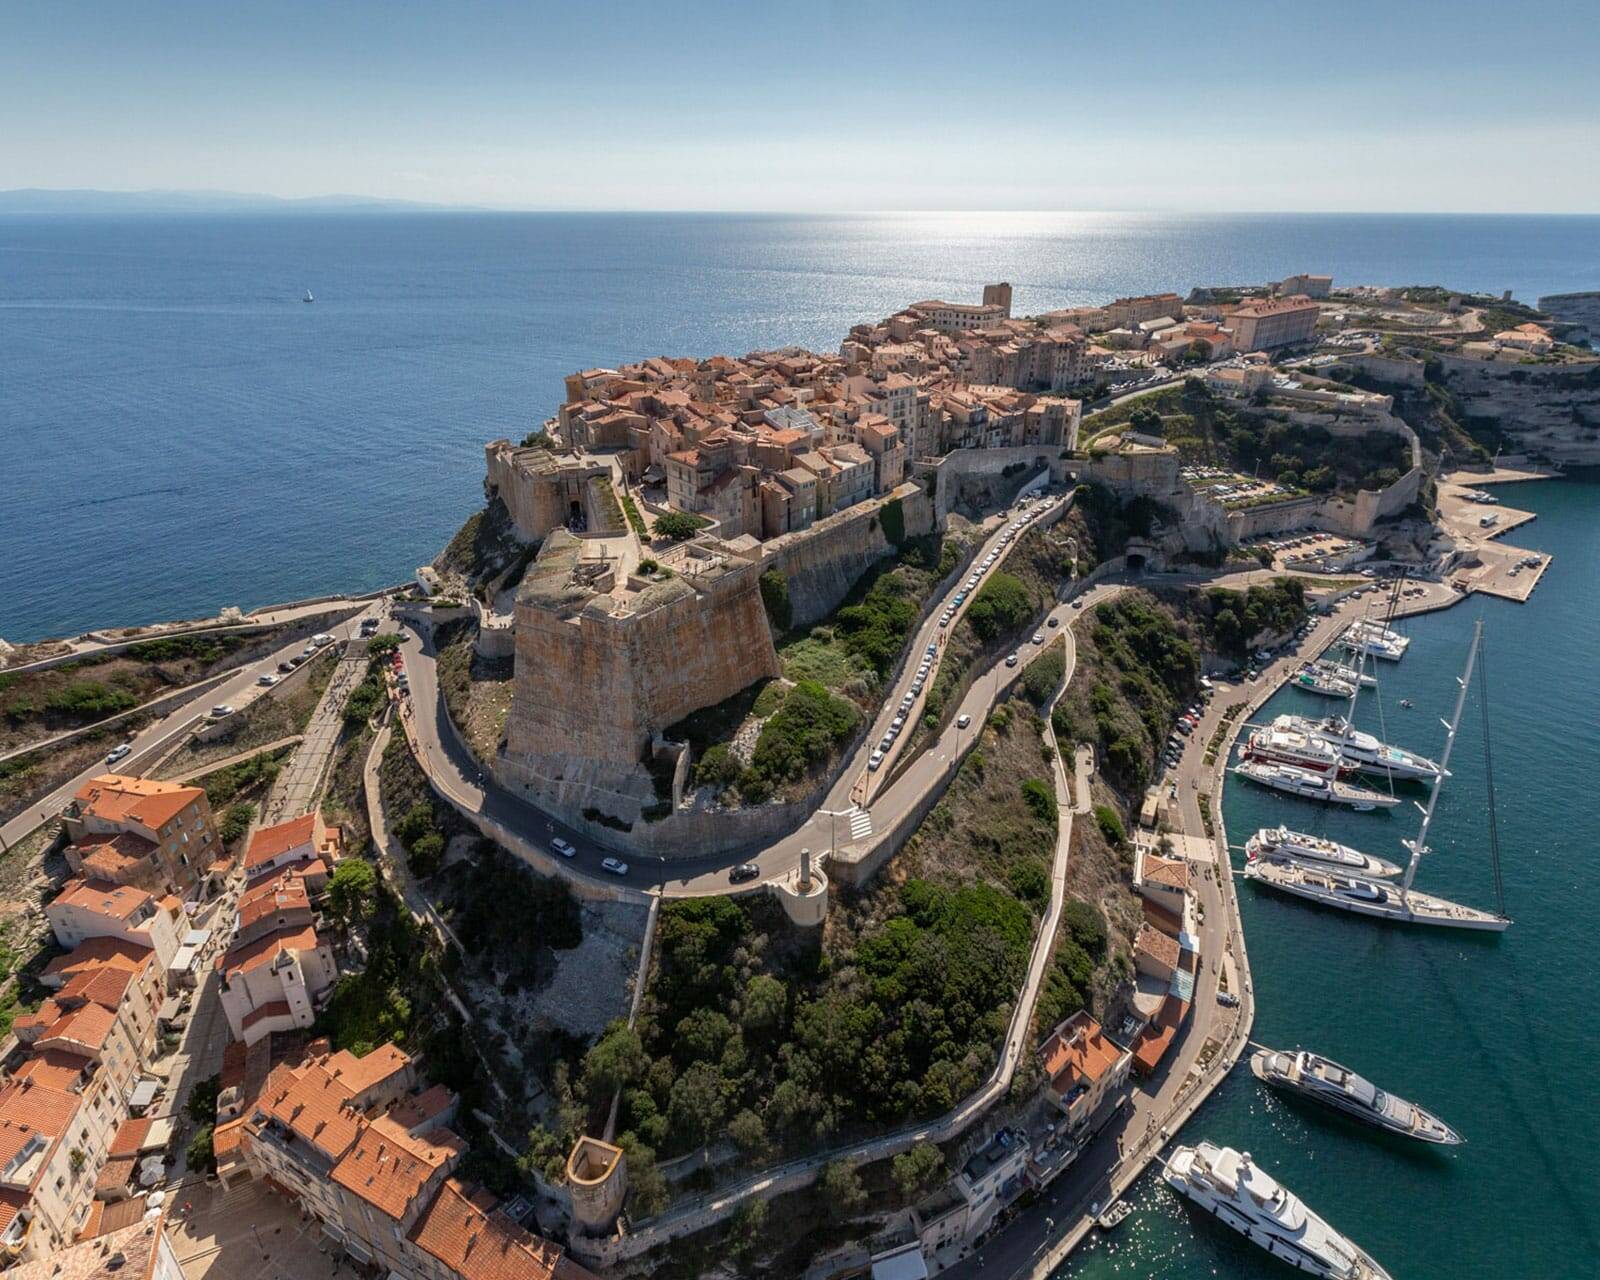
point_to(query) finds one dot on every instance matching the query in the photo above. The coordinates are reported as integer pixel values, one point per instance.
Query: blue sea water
(180, 432)
(1496, 1035)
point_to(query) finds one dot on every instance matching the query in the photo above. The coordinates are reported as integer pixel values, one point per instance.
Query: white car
(117, 753)
(944, 620)
(321, 638)
(267, 680)
(1038, 637)
(963, 720)
(563, 848)
(221, 711)
(615, 866)
(897, 724)
(874, 760)
(1011, 660)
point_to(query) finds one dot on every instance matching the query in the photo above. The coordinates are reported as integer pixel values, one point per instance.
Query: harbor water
(1496, 1035)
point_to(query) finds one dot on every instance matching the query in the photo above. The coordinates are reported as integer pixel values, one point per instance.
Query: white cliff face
(1581, 310)
(1549, 410)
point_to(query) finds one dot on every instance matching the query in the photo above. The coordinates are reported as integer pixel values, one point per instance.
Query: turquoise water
(180, 432)
(1496, 1035)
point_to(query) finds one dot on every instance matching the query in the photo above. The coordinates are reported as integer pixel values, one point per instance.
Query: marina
(1476, 1026)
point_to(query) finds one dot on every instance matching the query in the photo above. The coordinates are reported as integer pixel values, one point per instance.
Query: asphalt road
(837, 823)
(158, 737)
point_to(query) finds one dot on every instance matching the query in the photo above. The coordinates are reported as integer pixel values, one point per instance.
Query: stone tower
(597, 1180)
(998, 295)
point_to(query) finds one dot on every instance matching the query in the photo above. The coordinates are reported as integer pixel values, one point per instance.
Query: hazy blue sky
(833, 104)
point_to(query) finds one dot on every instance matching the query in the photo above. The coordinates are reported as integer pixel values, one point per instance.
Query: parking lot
(248, 1233)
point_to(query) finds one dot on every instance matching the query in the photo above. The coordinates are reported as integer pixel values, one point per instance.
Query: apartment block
(158, 836)
(86, 909)
(1278, 322)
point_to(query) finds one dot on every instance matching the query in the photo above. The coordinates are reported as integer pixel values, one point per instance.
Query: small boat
(308, 297)
(1406, 704)
(1116, 1213)
(1242, 1195)
(1312, 1076)
(1318, 677)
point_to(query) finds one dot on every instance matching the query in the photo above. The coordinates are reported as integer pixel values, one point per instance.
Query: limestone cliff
(1545, 410)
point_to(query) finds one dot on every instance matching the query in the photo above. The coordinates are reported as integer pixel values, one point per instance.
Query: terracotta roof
(1078, 1050)
(115, 797)
(311, 1104)
(127, 1252)
(131, 1137)
(272, 1009)
(107, 1216)
(284, 895)
(1157, 1038)
(54, 1069)
(360, 1074)
(104, 985)
(102, 897)
(462, 1230)
(260, 951)
(1157, 945)
(88, 1025)
(414, 1114)
(227, 1138)
(389, 1169)
(28, 1109)
(269, 842)
(94, 953)
(110, 856)
(1169, 872)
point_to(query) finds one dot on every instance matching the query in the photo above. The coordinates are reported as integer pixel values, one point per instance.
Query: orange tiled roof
(269, 842)
(284, 894)
(260, 951)
(312, 1105)
(95, 953)
(389, 1169)
(103, 897)
(1157, 945)
(1078, 1050)
(115, 797)
(1172, 873)
(462, 1230)
(104, 985)
(53, 1068)
(360, 1074)
(109, 856)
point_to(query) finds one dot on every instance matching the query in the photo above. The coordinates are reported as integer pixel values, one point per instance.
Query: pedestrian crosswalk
(860, 823)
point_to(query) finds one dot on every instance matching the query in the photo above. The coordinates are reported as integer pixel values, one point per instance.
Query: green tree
(765, 1001)
(1110, 825)
(201, 1155)
(546, 1155)
(615, 1061)
(1040, 799)
(236, 821)
(427, 853)
(353, 890)
(202, 1104)
(696, 1108)
(647, 1185)
(675, 526)
(748, 1130)
(1002, 605)
(919, 1170)
(841, 1186)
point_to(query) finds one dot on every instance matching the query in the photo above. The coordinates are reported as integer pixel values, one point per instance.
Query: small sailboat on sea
(308, 297)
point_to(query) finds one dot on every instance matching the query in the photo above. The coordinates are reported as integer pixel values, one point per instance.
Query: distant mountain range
(40, 200)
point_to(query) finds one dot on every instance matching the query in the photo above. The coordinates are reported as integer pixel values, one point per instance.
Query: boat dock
(1489, 565)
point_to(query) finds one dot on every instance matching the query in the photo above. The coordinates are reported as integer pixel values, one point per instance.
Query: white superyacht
(1360, 751)
(1321, 1079)
(1315, 851)
(1230, 1185)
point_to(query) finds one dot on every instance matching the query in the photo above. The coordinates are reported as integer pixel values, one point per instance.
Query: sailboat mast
(1419, 846)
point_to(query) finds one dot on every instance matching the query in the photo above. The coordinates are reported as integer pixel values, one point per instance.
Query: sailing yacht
(308, 297)
(1314, 851)
(1244, 1196)
(1402, 904)
(1325, 1081)
(1360, 752)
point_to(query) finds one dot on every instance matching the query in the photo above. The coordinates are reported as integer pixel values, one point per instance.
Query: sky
(827, 105)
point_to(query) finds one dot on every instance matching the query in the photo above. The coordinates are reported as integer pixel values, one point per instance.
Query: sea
(1495, 1034)
(179, 432)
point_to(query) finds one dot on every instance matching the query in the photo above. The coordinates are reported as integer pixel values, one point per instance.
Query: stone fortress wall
(823, 562)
